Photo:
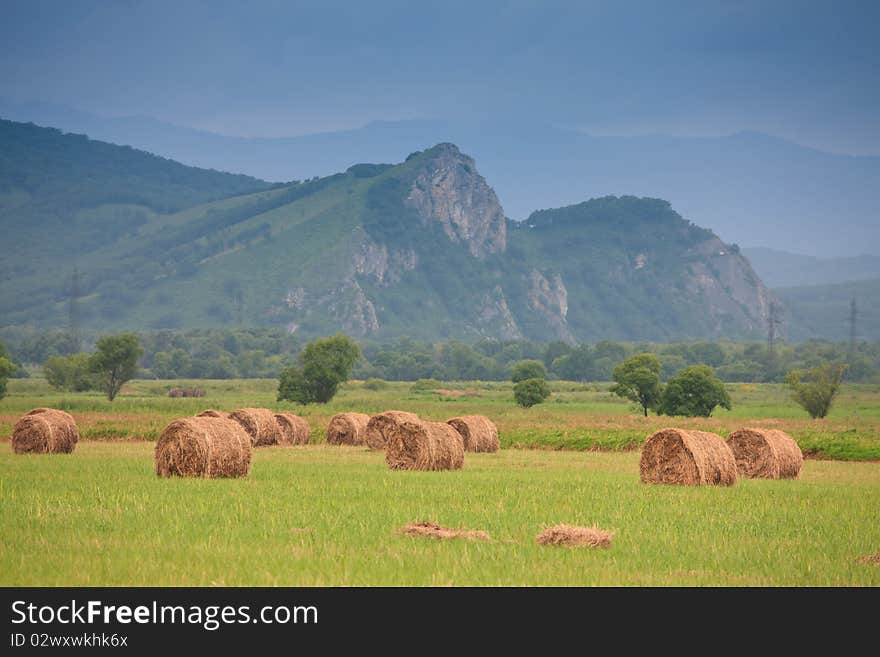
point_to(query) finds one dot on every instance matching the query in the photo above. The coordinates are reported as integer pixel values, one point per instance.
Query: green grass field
(319, 515)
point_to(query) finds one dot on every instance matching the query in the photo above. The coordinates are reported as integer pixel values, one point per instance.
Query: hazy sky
(808, 71)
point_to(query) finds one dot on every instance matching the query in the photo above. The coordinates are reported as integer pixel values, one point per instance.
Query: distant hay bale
(292, 429)
(45, 431)
(260, 425)
(478, 432)
(433, 530)
(210, 412)
(574, 536)
(423, 445)
(765, 453)
(687, 458)
(347, 429)
(376, 436)
(186, 392)
(203, 447)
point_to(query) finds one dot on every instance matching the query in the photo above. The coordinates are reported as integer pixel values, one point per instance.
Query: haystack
(478, 432)
(210, 412)
(766, 453)
(686, 457)
(376, 436)
(574, 536)
(433, 530)
(260, 425)
(203, 447)
(422, 445)
(347, 429)
(292, 429)
(45, 431)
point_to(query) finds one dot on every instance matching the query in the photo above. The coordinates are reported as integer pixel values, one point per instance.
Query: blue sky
(807, 71)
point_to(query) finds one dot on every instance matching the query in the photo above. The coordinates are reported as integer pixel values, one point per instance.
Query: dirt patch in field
(574, 536)
(433, 530)
(871, 559)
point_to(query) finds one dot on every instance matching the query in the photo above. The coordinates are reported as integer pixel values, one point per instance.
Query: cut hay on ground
(210, 412)
(292, 429)
(574, 536)
(376, 436)
(478, 432)
(765, 453)
(433, 530)
(203, 447)
(260, 425)
(347, 429)
(45, 431)
(423, 445)
(688, 458)
(871, 559)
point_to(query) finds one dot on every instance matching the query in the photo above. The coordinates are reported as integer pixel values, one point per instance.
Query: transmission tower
(774, 319)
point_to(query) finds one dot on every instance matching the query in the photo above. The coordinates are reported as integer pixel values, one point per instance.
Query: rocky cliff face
(449, 191)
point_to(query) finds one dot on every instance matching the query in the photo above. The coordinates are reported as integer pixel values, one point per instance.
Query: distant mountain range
(782, 269)
(748, 187)
(419, 248)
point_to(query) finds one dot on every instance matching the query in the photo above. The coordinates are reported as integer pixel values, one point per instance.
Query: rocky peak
(449, 190)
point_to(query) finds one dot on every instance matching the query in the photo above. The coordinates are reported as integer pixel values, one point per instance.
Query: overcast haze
(806, 71)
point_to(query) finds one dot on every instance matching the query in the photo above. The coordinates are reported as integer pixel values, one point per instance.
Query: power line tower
(853, 316)
(73, 319)
(774, 319)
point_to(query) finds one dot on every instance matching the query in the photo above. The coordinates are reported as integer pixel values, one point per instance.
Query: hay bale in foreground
(45, 431)
(210, 412)
(765, 453)
(478, 432)
(347, 429)
(376, 436)
(687, 458)
(433, 530)
(292, 429)
(574, 536)
(203, 447)
(260, 425)
(423, 445)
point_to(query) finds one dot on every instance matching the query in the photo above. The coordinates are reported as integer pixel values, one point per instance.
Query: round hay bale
(45, 431)
(260, 425)
(347, 429)
(292, 429)
(478, 432)
(203, 447)
(765, 453)
(422, 445)
(376, 436)
(210, 412)
(687, 458)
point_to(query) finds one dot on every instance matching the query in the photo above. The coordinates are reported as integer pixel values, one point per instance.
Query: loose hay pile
(574, 536)
(203, 447)
(260, 425)
(376, 436)
(292, 429)
(766, 453)
(210, 412)
(347, 429)
(478, 432)
(45, 431)
(433, 530)
(688, 458)
(422, 445)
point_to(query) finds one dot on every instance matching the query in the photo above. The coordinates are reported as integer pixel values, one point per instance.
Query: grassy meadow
(319, 515)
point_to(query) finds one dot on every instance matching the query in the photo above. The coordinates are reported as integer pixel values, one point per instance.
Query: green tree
(693, 392)
(814, 389)
(530, 392)
(7, 369)
(323, 365)
(528, 369)
(638, 379)
(72, 373)
(115, 361)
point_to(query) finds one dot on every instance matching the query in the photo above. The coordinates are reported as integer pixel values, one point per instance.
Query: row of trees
(264, 353)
